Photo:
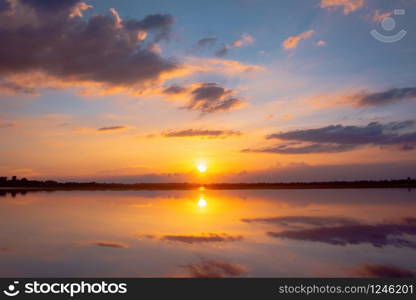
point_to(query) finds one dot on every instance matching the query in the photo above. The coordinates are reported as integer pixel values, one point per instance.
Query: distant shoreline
(20, 186)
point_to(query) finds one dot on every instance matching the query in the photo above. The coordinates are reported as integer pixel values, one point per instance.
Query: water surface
(206, 233)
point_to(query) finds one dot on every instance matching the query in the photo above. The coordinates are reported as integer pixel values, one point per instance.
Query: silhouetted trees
(14, 182)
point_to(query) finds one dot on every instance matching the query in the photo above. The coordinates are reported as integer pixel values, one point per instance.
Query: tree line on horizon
(14, 181)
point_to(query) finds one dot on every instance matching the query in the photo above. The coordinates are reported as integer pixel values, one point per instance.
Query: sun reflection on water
(202, 202)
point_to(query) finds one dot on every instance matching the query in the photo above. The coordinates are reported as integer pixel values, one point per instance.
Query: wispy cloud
(293, 41)
(208, 97)
(111, 128)
(379, 235)
(390, 96)
(215, 269)
(339, 138)
(348, 6)
(203, 238)
(377, 16)
(301, 221)
(202, 133)
(6, 124)
(108, 244)
(245, 40)
(207, 41)
(320, 43)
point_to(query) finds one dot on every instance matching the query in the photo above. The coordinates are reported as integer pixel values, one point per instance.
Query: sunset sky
(255, 90)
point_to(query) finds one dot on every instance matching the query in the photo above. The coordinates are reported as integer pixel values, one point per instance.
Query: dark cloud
(387, 97)
(339, 138)
(222, 51)
(101, 48)
(301, 221)
(160, 22)
(215, 269)
(111, 128)
(202, 133)
(213, 98)
(4, 5)
(111, 244)
(379, 235)
(204, 238)
(307, 149)
(174, 89)
(208, 41)
(13, 87)
(50, 5)
(384, 271)
(347, 135)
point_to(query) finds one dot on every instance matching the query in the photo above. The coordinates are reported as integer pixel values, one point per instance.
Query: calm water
(256, 233)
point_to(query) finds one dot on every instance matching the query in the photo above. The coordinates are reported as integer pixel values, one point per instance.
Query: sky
(255, 90)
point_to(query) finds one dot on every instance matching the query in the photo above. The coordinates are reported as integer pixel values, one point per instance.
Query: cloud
(51, 5)
(246, 39)
(293, 41)
(339, 138)
(174, 89)
(5, 5)
(215, 269)
(213, 98)
(301, 221)
(383, 271)
(202, 133)
(204, 97)
(208, 41)
(378, 17)
(379, 235)
(6, 125)
(67, 49)
(221, 66)
(387, 97)
(10, 87)
(203, 238)
(111, 128)
(347, 5)
(320, 43)
(110, 244)
(306, 149)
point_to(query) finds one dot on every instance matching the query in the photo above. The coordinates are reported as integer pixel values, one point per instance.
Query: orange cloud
(78, 9)
(378, 17)
(246, 39)
(293, 41)
(348, 5)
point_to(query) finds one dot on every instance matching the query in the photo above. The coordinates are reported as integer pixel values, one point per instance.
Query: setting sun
(202, 168)
(202, 202)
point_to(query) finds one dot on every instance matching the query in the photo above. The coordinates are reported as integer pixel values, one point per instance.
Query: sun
(202, 202)
(202, 168)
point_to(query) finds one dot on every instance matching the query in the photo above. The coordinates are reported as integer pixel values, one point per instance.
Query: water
(246, 233)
